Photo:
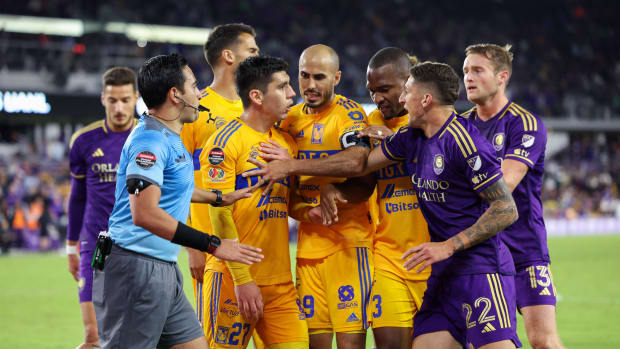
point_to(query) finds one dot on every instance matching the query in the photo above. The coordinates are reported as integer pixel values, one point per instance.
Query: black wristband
(218, 199)
(190, 237)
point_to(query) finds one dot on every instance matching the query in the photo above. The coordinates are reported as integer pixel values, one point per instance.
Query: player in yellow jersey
(226, 47)
(334, 264)
(396, 293)
(262, 296)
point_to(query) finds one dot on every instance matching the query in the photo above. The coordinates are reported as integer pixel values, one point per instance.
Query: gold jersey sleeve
(317, 136)
(400, 224)
(262, 219)
(194, 136)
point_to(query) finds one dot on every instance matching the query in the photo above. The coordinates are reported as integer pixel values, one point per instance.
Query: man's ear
(256, 96)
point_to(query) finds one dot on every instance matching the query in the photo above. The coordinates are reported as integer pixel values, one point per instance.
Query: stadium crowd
(566, 58)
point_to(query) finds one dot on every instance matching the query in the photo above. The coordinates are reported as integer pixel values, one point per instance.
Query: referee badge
(146, 159)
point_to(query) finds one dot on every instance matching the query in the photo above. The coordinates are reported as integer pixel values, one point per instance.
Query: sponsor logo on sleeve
(438, 164)
(216, 156)
(475, 163)
(527, 141)
(216, 174)
(146, 159)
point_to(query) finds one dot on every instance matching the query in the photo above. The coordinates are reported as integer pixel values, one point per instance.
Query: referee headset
(185, 104)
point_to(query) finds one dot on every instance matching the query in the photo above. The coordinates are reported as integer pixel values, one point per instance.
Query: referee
(138, 296)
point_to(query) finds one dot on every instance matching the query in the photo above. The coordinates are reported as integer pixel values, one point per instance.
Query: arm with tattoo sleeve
(501, 213)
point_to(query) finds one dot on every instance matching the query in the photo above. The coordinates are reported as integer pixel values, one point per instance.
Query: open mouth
(312, 96)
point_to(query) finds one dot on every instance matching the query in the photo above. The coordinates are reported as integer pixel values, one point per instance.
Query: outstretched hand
(330, 197)
(231, 198)
(427, 253)
(234, 251)
(272, 150)
(376, 131)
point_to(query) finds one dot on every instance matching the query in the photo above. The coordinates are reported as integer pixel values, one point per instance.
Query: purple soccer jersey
(517, 134)
(94, 153)
(448, 170)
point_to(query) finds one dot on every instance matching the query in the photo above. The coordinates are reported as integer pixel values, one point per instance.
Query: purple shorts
(534, 284)
(477, 309)
(85, 281)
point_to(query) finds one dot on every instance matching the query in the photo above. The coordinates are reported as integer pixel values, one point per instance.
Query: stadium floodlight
(159, 33)
(75, 27)
(41, 25)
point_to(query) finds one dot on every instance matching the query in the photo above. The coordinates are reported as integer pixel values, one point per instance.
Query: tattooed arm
(502, 212)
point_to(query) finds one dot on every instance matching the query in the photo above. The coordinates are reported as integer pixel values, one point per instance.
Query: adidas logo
(98, 153)
(545, 292)
(352, 318)
(488, 328)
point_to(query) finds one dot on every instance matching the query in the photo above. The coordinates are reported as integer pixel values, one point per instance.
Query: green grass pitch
(39, 307)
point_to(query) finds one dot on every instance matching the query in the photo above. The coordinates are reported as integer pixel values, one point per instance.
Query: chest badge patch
(438, 164)
(317, 134)
(527, 141)
(475, 163)
(498, 141)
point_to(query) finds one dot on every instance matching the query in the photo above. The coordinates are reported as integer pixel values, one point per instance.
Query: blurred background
(566, 70)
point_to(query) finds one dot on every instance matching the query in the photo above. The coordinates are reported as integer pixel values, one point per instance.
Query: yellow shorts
(394, 300)
(335, 290)
(283, 318)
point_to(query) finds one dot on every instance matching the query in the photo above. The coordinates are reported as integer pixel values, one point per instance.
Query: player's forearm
(77, 208)
(350, 162)
(203, 196)
(357, 189)
(155, 220)
(224, 227)
(501, 213)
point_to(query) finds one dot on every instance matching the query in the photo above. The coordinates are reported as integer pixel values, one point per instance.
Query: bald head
(318, 76)
(394, 56)
(323, 55)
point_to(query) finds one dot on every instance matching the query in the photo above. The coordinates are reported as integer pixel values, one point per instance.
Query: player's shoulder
(345, 106)
(522, 118)
(228, 134)
(87, 131)
(469, 113)
(462, 134)
(376, 118)
(296, 111)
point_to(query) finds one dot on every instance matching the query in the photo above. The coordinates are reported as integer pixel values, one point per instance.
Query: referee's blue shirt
(155, 153)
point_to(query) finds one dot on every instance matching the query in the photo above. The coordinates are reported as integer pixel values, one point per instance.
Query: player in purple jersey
(519, 139)
(466, 202)
(94, 152)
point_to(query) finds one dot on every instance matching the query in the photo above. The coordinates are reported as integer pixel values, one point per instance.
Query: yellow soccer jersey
(321, 135)
(400, 224)
(194, 135)
(261, 220)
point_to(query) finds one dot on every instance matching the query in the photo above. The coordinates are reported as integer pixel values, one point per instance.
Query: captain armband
(136, 185)
(350, 139)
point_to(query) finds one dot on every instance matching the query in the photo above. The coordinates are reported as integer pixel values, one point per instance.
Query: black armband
(136, 185)
(218, 198)
(190, 237)
(350, 139)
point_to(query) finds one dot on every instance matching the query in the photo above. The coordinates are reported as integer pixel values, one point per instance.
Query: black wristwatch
(218, 199)
(214, 243)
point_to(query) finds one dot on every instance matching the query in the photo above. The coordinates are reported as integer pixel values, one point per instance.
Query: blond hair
(500, 56)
